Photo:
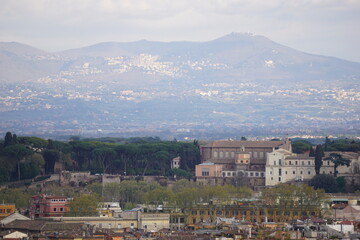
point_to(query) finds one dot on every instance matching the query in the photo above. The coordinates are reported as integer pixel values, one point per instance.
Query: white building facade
(283, 166)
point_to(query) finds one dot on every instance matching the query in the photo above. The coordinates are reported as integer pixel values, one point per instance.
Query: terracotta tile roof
(34, 225)
(239, 144)
(41, 225)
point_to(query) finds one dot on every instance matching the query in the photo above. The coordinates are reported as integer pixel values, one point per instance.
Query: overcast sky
(327, 27)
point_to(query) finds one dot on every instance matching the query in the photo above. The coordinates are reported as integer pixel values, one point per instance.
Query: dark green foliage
(326, 182)
(319, 154)
(34, 143)
(148, 156)
(50, 156)
(300, 146)
(4, 175)
(312, 152)
(338, 160)
(342, 145)
(341, 184)
(15, 139)
(329, 183)
(17, 152)
(105, 156)
(179, 173)
(29, 170)
(8, 140)
(327, 143)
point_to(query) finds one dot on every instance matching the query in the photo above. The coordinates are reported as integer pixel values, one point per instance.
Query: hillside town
(239, 190)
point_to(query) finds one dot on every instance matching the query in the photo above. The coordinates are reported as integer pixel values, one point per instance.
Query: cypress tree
(319, 153)
(312, 152)
(8, 139)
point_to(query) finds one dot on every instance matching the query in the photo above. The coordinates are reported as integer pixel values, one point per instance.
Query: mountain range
(237, 83)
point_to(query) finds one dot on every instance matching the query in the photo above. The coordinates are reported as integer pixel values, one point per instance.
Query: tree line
(27, 157)
(185, 194)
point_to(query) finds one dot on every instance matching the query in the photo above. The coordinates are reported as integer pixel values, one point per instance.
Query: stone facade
(75, 178)
(284, 166)
(242, 162)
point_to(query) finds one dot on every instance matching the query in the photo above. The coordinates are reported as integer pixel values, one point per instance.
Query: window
(279, 179)
(309, 172)
(100, 225)
(256, 174)
(221, 154)
(275, 163)
(290, 163)
(309, 163)
(119, 225)
(279, 171)
(251, 174)
(232, 154)
(285, 172)
(272, 178)
(302, 163)
(215, 154)
(279, 161)
(262, 174)
(301, 172)
(110, 225)
(255, 154)
(54, 209)
(226, 154)
(270, 172)
(61, 209)
(294, 172)
(261, 154)
(328, 163)
(205, 172)
(295, 162)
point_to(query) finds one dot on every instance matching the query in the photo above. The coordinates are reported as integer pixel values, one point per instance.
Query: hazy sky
(327, 27)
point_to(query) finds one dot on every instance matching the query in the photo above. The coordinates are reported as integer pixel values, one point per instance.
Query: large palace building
(257, 164)
(228, 161)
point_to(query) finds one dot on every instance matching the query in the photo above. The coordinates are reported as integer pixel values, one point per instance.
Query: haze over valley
(238, 84)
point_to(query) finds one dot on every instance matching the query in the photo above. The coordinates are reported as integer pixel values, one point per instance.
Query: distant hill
(238, 82)
(234, 57)
(19, 62)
